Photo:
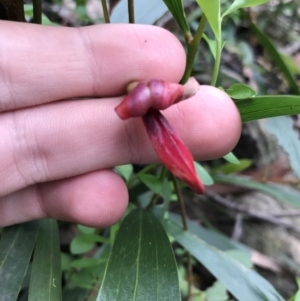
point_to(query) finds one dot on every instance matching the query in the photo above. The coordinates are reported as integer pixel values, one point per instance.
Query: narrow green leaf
(141, 265)
(211, 10)
(85, 230)
(16, 246)
(240, 91)
(177, 10)
(268, 106)
(80, 244)
(83, 243)
(229, 168)
(243, 3)
(230, 157)
(282, 129)
(87, 262)
(152, 182)
(243, 283)
(216, 239)
(45, 281)
(280, 192)
(297, 295)
(211, 44)
(276, 58)
(203, 174)
(125, 171)
(290, 63)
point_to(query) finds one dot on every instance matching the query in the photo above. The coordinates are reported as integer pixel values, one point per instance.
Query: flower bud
(155, 94)
(171, 149)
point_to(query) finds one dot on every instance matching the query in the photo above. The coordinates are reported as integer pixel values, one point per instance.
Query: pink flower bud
(155, 94)
(171, 149)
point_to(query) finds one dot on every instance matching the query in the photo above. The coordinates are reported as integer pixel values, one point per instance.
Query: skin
(57, 150)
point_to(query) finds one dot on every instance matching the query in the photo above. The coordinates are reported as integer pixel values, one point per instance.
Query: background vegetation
(244, 230)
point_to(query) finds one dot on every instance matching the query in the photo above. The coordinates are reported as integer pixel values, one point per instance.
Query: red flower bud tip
(155, 94)
(171, 149)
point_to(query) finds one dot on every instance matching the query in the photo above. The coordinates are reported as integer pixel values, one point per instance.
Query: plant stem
(37, 11)
(131, 11)
(192, 48)
(181, 202)
(185, 227)
(217, 62)
(105, 11)
(156, 195)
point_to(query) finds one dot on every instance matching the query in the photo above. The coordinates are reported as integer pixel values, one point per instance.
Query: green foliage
(211, 10)
(267, 106)
(230, 157)
(15, 254)
(203, 174)
(250, 286)
(141, 265)
(45, 281)
(137, 253)
(240, 91)
(237, 4)
(282, 129)
(281, 193)
(276, 58)
(176, 8)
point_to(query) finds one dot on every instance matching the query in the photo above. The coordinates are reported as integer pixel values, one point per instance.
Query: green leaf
(282, 129)
(244, 284)
(211, 10)
(80, 244)
(243, 3)
(290, 63)
(203, 174)
(217, 292)
(152, 182)
(240, 91)
(268, 106)
(229, 168)
(211, 44)
(141, 265)
(85, 230)
(87, 262)
(281, 193)
(146, 12)
(276, 58)
(45, 281)
(125, 171)
(230, 157)
(176, 9)
(16, 246)
(216, 239)
(85, 242)
(297, 295)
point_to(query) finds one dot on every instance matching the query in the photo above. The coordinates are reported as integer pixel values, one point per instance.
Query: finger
(70, 138)
(97, 199)
(41, 64)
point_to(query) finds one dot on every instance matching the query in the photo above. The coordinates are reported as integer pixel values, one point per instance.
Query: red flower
(171, 149)
(145, 99)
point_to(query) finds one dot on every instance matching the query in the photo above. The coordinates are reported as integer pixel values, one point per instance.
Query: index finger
(40, 64)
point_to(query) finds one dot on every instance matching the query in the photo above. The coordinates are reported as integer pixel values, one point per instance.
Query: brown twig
(262, 216)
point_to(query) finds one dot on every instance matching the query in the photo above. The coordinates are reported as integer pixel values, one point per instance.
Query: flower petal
(155, 94)
(171, 149)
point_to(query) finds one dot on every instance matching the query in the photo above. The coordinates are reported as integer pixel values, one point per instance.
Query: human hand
(57, 151)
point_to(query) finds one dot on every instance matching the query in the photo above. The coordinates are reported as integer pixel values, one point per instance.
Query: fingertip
(210, 123)
(98, 199)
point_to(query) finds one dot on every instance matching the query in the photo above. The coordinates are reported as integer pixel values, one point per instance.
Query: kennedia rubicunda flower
(145, 100)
